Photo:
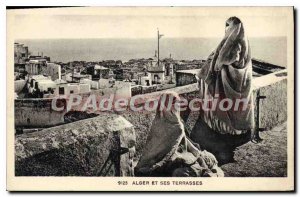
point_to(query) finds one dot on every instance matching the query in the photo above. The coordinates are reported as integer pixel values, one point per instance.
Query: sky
(129, 23)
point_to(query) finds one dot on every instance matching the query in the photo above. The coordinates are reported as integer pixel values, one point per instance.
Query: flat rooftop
(192, 71)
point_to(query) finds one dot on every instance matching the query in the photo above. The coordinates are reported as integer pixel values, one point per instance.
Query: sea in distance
(269, 49)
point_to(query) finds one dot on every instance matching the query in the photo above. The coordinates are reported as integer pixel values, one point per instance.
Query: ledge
(30, 144)
(269, 79)
(80, 148)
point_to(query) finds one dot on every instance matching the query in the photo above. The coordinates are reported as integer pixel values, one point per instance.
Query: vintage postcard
(150, 99)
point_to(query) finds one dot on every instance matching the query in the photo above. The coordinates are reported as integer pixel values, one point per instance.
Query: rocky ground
(267, 158)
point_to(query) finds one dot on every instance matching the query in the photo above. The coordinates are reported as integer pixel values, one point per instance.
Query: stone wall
(37, 113)
(78, 149)
(273, 109)
(186, 77)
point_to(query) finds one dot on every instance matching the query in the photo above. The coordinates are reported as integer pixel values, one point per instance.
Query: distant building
(123, 89)
(54, 71)
(76, 77)
(162, 73)
(39, 85)
(40, 66)
(157, 74)
(94, 84)
(37, 57)
(36, 66)
(24, 63)
(21, 53)
(119, 74)
(188, 65)
(111, 64)
(66, 89)
(146, 80)
(98, 72)
(185, 77)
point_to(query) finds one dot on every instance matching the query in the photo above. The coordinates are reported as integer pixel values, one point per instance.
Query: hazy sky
(142, 24)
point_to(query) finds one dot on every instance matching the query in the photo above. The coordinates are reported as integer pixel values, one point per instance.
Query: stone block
(80, 148)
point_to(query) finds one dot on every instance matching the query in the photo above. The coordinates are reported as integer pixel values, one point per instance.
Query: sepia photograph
(150, 99)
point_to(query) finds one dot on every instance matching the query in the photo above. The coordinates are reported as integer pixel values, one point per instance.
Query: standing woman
(227, 74)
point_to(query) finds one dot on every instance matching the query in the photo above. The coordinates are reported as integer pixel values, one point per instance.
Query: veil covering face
(227, 74)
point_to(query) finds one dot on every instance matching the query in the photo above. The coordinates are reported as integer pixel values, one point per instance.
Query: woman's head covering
(228, 74)
(233, 50)
(168, 106)
(167, 147)
(233, 47)
(166, 133)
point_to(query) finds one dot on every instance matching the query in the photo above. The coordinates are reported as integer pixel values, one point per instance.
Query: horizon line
(215, 37)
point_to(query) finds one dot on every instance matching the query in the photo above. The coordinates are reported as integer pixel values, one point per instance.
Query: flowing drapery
(227, 74)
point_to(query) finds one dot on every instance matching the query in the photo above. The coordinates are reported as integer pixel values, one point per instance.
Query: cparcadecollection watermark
(138, 103)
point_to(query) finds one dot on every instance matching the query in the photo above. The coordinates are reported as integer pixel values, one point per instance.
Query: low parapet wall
(37, 113)
(273, 109)
(78, 149)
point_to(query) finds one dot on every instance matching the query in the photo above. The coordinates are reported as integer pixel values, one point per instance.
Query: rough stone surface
(37, 113)
(273, 109)
(265, 159)
(142, 123)
(76, 149)
(185, 77)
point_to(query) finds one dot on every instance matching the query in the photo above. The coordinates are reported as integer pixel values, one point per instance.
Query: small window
(31, 83)
(71, 91)
(61, 90)
(148, 83)
(23, 55)
(36, 85)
